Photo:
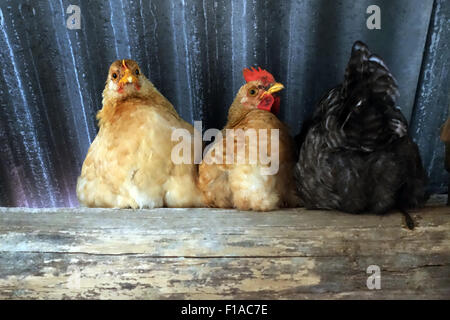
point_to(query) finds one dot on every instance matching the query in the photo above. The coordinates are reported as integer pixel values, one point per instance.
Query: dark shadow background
(51, 78)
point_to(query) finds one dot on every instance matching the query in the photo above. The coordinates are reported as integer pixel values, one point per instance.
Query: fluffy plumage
(356, 155)
(242, 185)
(129, 162)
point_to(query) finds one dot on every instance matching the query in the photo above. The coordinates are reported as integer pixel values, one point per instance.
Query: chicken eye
(252, 92)
(114, 75)
(137, 72)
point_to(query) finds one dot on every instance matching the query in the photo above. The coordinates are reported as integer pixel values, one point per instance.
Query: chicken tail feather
(408, 219)
(367, 75)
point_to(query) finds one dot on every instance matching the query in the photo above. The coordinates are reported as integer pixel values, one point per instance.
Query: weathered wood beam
(223, 254)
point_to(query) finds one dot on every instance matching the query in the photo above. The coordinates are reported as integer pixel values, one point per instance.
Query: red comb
(253, 74)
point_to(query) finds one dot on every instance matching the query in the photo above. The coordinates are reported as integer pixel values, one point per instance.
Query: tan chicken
(230, 178)
(129, 164)
(445, 137)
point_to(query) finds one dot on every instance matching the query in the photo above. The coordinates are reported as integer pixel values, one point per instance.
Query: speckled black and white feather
(357, 155)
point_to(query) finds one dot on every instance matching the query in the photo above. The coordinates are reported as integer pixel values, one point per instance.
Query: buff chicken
(129, 163)
(250, 164)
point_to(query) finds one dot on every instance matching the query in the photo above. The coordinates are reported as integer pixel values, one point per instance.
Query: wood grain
(221, 254)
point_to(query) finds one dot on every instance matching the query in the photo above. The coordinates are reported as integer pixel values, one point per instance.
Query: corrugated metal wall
(51, 78)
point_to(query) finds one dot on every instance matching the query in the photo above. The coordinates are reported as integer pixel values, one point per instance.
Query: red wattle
(276, 105)
(266, 103)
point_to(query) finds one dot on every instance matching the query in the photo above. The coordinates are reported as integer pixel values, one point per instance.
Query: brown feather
(445, 131)
(129, 162)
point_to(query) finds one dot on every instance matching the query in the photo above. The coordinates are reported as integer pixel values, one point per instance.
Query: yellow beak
(128, 77)
(275, 88)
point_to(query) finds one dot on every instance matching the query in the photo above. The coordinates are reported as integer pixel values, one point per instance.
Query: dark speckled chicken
(356, 155)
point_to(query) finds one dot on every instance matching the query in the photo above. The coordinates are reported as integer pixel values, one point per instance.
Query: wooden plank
(223, 254)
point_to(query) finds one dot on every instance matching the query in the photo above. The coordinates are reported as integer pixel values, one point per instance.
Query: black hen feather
(357, 156)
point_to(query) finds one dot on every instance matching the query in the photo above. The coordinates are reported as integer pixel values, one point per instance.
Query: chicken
(445, 137)
(356, 155)
(236, 171)
(129, 163)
